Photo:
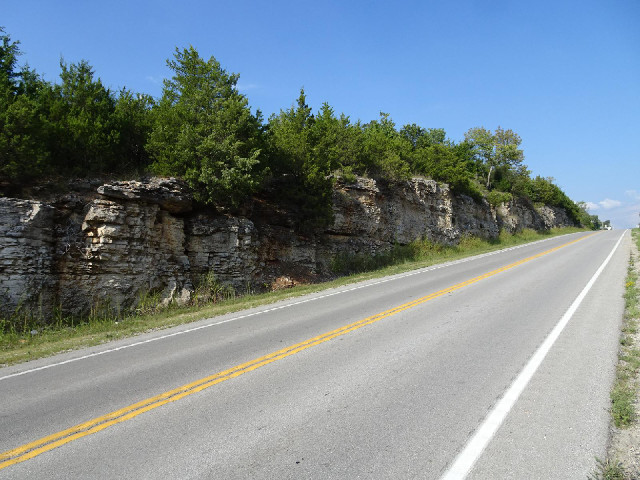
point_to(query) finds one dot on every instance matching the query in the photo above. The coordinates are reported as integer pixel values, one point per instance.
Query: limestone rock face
(474, 219)
(131, 249)
(517, 215)
(416, 209)
(27, 250)
(118, 245)
(555, 217)
(168, 193)
(224, 245)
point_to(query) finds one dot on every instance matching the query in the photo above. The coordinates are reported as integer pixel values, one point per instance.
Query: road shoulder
(624, 445)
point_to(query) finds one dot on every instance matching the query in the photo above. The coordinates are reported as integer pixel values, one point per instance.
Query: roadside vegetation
(23, 337)
(625, 390)
(625, 394)
(203, 130)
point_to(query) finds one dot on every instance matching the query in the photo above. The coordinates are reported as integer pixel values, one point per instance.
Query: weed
(149, 302)
(622, 409)
(210, 290)
(607, 470)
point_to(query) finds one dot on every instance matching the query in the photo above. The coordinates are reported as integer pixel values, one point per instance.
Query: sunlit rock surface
(114, 245)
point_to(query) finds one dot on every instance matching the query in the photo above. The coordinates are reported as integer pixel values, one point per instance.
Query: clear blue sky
(565, 75)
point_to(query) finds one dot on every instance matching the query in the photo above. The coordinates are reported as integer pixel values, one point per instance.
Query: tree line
(202, 130)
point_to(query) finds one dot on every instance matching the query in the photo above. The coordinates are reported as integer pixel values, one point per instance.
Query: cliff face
(112, 245)
(27, 252)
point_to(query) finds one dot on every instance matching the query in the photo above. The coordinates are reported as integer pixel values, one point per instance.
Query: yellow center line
(45, 444)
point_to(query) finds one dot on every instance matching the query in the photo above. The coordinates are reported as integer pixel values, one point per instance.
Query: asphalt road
(397, 394)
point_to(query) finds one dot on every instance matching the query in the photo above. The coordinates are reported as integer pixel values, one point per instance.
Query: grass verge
(625, 388)
(21, 340)
(620, 463)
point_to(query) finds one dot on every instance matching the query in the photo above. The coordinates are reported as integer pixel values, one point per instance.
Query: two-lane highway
(389, 378)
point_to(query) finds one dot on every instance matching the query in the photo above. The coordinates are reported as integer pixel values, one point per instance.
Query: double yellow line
(33, 449)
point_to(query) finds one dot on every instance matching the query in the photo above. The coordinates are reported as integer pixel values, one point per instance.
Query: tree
(481, 145)
(335, 142)
(83, 133)
(303, 151)
(204, 131)
(441, 163)
(495, 150)
(423, 137)
(583, 217)
(289, 138)
(386, 153)
(9, 53)
(23, 152)
(506, 151)
(133, 116)
(596, 224)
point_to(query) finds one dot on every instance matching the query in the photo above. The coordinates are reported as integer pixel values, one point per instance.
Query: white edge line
(233, 319)
(467, 458)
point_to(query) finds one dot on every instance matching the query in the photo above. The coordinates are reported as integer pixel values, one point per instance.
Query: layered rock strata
(124, 241)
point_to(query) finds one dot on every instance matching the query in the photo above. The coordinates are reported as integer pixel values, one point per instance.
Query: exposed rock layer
(113, 246)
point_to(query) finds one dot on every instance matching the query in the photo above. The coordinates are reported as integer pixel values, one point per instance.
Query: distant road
(389, 378)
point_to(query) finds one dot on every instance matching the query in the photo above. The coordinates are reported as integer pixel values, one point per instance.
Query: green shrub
(205, 133)
(496, 198)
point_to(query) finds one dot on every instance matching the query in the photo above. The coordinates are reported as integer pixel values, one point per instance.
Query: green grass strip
(19, 344)
(625, 387)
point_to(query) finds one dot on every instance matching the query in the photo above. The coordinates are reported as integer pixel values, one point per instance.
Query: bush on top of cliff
(302, 151)
(76, 127)
(204, 131)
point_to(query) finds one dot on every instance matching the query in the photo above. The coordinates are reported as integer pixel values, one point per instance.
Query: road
(390, 378)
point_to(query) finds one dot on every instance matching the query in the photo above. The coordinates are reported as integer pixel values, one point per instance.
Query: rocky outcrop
(26, 255)
(473, 218)
(226, 245)
(168, 193)
(520, 214)
(129, 248)
(113, 245)
(418, 209)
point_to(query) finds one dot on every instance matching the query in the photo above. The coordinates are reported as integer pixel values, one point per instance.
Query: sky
(563, 74)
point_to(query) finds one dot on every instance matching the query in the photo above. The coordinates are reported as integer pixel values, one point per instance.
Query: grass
(608, 470)
(625, 388)
(24, 337)
(626, 385)
(424, 253)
